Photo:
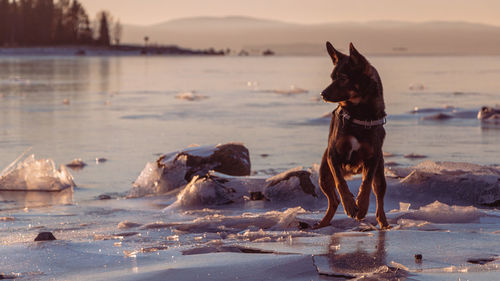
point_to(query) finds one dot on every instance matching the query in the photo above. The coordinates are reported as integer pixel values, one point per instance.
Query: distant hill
(377, 37)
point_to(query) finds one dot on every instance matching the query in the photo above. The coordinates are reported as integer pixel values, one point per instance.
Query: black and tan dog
(356, 137)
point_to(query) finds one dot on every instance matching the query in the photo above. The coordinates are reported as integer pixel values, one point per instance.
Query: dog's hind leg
(327, 185)
(363, 199)
(379, 188)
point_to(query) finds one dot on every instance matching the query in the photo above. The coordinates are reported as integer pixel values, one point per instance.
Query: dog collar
(344, 115)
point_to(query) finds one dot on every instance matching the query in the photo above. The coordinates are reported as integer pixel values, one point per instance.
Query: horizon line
(312, 24)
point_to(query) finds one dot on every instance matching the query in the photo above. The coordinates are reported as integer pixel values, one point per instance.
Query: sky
(146, 12)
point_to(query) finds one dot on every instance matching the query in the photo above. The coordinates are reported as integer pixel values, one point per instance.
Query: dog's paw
(362, 207)
(361, 214)
(350, 207)
(385, 227)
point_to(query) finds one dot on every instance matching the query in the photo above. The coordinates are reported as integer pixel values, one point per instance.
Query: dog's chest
(352, 150)
(355, 146)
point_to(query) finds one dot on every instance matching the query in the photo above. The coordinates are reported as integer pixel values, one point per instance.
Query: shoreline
(120, 50)
(136, 50)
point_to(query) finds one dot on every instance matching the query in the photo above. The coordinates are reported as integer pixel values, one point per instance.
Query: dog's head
(348, 76)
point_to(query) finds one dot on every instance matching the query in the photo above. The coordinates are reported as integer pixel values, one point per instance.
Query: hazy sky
(146, 12)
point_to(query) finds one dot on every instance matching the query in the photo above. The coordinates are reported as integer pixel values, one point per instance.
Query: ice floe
(190, 96)
(35, 175)
(438, 212)
(489, 114)
(217, 175)
(448, 182)
(290, 188)
(177, 169)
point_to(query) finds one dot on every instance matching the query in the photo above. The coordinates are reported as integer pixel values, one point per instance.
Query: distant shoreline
(115, 50)
(172, 50)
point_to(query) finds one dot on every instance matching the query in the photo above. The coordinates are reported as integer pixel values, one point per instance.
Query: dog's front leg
(346, 196)
(327, 185)
(379, 187)
(363, 199)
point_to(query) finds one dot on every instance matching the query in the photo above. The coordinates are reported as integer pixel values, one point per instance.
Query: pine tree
(103, 38)
(4, 21)
(44, 22)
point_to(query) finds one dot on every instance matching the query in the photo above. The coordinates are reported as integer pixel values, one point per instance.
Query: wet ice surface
(153, 238)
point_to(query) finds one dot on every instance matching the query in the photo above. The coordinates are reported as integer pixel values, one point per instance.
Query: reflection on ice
(38, 198)
(358, 257)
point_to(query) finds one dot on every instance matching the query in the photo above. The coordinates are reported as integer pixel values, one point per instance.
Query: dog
(355, 138)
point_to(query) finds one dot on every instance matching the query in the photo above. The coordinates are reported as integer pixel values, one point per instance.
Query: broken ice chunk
(177, 169)
(36, 175)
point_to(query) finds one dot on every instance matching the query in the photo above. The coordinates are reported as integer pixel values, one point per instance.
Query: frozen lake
(130, 110)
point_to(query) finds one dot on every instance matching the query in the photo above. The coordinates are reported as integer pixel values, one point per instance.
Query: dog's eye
(342, 78)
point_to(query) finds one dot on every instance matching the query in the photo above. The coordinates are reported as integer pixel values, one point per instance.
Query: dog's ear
(358, 59)
(334, 54)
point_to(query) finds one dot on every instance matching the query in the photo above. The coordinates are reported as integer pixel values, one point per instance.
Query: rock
(210, 190)
(418, 258)
(177, 169)
(100, 160)
(76, 164)
(104, 197)
(294, 184)
(303, 225)
(487, 113)
(482, 260)
(304, 180)
(256, 196)
(45, 236)
(414, 156)
(437, 117)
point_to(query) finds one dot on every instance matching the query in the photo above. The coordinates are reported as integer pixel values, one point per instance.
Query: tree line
(49, 23)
